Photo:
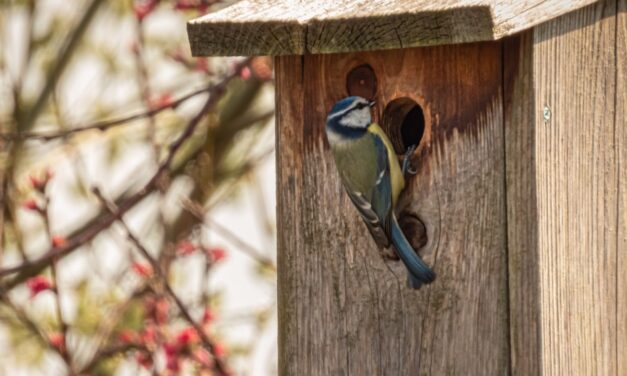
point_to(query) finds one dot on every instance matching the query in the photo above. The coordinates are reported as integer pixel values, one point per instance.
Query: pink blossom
(144, 359)
(38, 284)
(187, 336)
(245, 73)
(208, 316)
(127, 336)
(218, 350)
(217, 254)
(58, 241)
(161, 101)
(31, 205)
(57, 340)
(143, 8)
(185, 248)
(142, 270)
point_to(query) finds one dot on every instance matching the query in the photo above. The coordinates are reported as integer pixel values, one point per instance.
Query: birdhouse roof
(298, 27)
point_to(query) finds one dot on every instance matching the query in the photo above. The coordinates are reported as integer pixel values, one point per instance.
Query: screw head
(546, 113)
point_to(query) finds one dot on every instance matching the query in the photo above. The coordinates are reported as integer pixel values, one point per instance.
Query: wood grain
(621, 143)
(522, 214)
(287, 27)
(577, 159)
(342, 309)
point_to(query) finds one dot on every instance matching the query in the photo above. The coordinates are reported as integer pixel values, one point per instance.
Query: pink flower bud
(187, 336)
(143, 8)
(142, 270)
(148, 336)
(38, 284)
(31, 205)
(218, 350)
(208, 316)
(57, 340)
(245, 73)
(127, 336)
(185, 248)
(143, 359)
(216, 254)
(58, 241)
(161, 101)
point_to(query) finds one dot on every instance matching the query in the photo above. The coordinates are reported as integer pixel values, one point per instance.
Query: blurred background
(137, 193)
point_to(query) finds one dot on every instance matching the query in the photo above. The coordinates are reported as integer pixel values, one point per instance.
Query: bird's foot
(407, 168)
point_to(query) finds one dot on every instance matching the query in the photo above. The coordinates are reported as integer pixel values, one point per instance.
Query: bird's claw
(407, 168)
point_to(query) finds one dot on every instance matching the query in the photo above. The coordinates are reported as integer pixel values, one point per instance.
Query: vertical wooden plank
(289, 111)
(621, 142)
(522, 231)
(577, 178)
(343, 310)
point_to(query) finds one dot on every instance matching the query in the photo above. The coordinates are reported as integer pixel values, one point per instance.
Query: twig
(197, 211)
(64, 351)
(35, 266)
(219, 364)
(109, 352)
(105, 124)
(29, 324)
(60, 65)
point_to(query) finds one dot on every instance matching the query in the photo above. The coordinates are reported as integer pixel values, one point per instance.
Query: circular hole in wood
(362, 81)
(404, 122)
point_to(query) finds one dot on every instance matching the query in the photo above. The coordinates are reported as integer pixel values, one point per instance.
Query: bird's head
(352, 113)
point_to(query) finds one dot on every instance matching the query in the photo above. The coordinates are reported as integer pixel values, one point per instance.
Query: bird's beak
(372, 103)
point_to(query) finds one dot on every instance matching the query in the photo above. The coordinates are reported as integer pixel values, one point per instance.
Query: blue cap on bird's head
(353, 112)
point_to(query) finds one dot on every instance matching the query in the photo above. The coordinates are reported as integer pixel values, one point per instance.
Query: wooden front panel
(342, 309)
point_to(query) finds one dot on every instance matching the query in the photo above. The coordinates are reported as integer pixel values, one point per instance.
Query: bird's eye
(360, 106)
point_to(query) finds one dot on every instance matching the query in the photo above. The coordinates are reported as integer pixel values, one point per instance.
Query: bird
(373, 179)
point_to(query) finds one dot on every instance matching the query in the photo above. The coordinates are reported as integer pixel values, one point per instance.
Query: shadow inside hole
(404, 122)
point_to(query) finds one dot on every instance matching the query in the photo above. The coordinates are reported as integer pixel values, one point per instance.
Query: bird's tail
(419, 272)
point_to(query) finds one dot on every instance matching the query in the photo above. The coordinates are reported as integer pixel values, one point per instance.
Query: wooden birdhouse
(519, 203)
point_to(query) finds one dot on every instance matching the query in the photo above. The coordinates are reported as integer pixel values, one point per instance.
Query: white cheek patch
(356, 118)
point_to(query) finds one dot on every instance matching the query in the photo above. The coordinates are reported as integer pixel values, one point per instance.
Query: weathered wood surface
(566, 196)
(342, 309)
(621, 137)
(577, 185)
(522, 215)
(298, 27)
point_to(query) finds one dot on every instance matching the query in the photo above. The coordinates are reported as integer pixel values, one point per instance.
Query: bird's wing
(376, 210)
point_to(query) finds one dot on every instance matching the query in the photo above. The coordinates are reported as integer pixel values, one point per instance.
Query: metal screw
(546, 113)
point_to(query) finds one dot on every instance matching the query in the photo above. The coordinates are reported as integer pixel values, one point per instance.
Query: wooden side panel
(621, 142)
(577, 177)
(342, 309)
(289, 102)
(522, 215)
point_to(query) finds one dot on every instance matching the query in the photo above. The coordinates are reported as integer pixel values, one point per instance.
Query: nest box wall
(519, 203)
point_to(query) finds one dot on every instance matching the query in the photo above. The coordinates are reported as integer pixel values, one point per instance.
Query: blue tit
(373, 179)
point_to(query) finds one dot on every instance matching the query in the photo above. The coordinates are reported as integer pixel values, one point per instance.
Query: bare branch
(105, 124)
(208, 342)
(60, 65)
(197, 211)
(35, 266)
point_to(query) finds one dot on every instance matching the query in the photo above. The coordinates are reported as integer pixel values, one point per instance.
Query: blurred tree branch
(33, 267)
(201, 154)
(27, 119)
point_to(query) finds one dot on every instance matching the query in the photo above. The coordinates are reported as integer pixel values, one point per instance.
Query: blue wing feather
(418, 271)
